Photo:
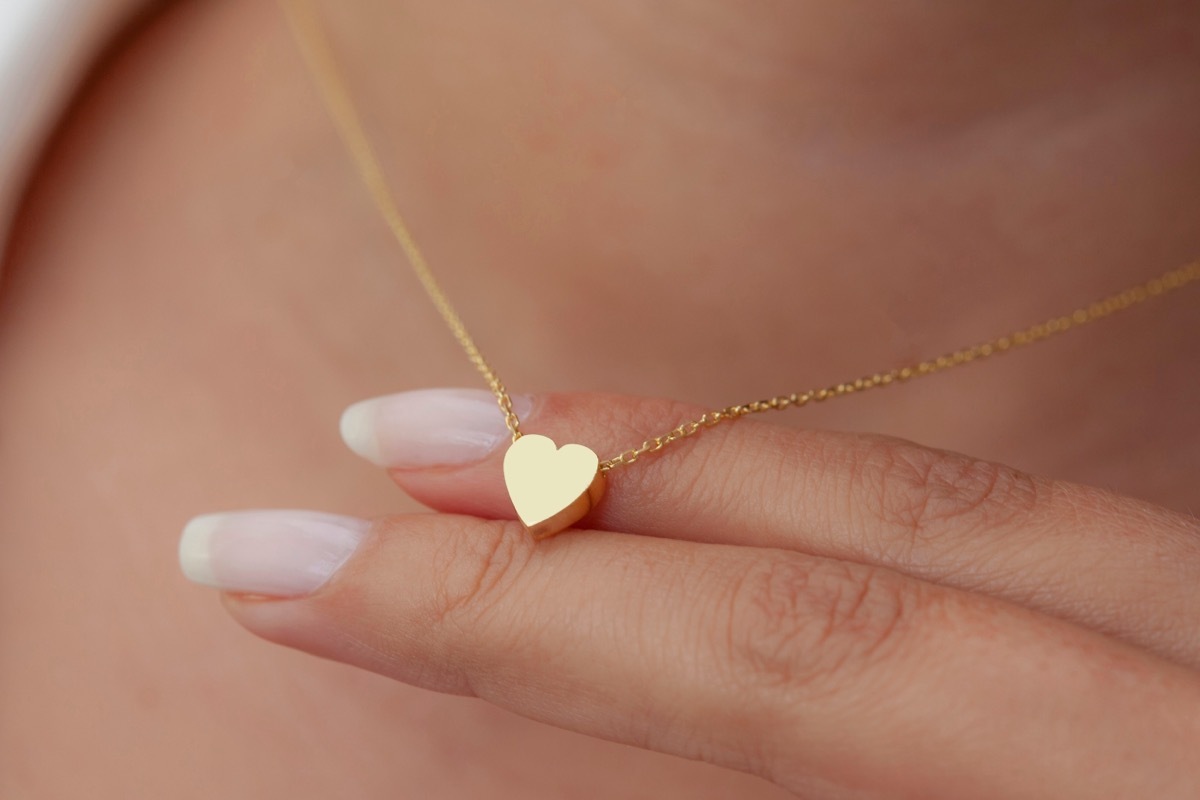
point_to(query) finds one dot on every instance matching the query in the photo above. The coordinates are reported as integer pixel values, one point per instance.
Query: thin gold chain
(319, 57)
(1167, 282)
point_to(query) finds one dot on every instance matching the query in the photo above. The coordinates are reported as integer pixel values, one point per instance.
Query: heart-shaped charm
(551, 487)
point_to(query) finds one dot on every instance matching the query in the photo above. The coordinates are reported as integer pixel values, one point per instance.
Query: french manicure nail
(278, 553)
(428, 427)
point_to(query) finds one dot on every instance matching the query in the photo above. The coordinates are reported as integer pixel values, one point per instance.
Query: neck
(850, 72)
(911, 178)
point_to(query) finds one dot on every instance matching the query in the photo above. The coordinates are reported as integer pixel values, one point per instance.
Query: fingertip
(276, 552)
(425, 428)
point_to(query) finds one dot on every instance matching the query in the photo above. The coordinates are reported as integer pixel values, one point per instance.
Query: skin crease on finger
(753, 198)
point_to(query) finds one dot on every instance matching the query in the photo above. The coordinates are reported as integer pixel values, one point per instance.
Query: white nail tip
(194, 549)
(358, 427)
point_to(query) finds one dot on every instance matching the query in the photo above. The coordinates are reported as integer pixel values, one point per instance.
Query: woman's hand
(845, 615)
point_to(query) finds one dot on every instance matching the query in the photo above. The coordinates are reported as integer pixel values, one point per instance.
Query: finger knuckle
(801, 624)
(918, 494)
(474, 572)
(666, 484)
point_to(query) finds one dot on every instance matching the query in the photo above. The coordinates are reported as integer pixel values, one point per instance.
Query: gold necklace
(552, 488)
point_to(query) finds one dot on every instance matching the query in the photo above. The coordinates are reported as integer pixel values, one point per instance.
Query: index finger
(1116, 564)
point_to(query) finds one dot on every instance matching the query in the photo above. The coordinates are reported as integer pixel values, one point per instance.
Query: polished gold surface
(551, 487)
(308, 31)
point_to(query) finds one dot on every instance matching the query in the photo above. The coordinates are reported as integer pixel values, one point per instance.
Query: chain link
(323, 65)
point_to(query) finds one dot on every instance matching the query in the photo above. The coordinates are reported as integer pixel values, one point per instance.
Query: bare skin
(750, 204)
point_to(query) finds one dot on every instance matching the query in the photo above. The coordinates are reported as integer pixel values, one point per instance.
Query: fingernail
(428, 427)
(279, 553)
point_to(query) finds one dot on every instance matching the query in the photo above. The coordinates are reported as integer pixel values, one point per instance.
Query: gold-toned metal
(551, 487)
(318, 54)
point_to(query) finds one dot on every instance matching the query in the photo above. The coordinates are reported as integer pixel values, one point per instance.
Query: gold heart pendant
(551, 487)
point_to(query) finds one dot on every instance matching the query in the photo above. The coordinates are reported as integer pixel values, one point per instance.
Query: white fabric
(46, 47)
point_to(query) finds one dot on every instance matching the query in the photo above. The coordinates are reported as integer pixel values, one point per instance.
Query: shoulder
(46, 50)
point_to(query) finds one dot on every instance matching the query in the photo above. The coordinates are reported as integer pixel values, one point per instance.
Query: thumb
(446, 447)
